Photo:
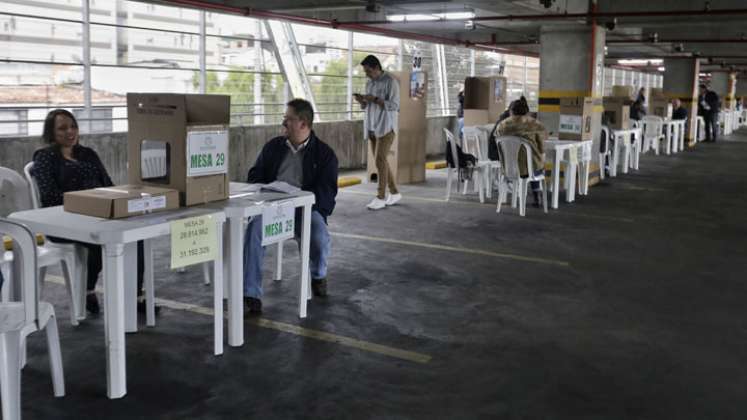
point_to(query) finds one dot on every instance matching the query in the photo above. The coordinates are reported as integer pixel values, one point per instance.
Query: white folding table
(237, 209)
(582, 151)
(118, 238)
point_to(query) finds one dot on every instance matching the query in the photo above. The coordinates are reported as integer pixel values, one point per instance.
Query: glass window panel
(69, 9)
(30, 91)
(144, 47)
(31, 39)
(457, 69)
(377, 44)
(321, 37)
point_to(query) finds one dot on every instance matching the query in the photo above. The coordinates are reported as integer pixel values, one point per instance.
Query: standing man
(381, 104)
(709, 105)
(302, 160)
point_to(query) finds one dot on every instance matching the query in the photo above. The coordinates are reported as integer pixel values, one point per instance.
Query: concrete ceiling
(642, 28)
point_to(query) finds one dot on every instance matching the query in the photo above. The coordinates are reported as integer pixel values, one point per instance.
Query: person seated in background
(641, 95)
(637, 111)
(460, 113)
(520, 124)
(301, 159)
(65, 166)
(680, 112)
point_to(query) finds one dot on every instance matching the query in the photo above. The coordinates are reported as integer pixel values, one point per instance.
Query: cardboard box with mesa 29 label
(179, 141)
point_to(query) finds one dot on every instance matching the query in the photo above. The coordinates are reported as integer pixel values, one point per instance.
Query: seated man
(680, 112)
(302, 160)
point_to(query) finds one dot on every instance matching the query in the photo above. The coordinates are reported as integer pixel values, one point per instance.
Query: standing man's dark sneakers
(92, 304)
(319, 287)
(252, 306)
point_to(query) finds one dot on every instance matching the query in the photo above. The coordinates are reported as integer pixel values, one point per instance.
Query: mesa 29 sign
(207, 152)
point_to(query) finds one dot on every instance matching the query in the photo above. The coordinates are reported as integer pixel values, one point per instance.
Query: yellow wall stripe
(563, 93)
(549, 108)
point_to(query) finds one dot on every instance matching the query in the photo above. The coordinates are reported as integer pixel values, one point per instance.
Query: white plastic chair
(700, 132)
(475, 143)
(508, 150)
(604, 150)
(21, 317)
(451, 172)
(14, 191)
(652, 133)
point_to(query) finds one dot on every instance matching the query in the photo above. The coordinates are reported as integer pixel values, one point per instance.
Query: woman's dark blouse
(56, 175)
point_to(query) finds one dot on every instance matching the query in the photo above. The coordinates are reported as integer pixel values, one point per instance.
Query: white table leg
(130, 287)
(116, 372)
(626, 157)
(150, 294)
(668, 140)
(570, 173)
(305, 284)
(586, 172)
(556, 180)
(236, 281)
(615, 156)
(218, 293)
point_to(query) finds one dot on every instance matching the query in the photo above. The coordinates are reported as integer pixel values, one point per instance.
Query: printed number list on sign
(193, 241)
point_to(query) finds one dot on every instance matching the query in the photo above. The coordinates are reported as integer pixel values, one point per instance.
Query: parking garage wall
(345, 137)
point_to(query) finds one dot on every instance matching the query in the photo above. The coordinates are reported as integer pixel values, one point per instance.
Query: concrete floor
(629, 306)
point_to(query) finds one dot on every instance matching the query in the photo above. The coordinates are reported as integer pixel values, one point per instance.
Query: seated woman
(520, 124)
(637, 110)
(65, 166)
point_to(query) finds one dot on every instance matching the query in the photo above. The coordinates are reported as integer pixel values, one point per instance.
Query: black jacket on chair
(319, 170)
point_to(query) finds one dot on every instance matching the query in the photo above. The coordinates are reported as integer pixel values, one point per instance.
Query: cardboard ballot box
(575, 118)
(120, 201)
(181, 142)
(484, 99)
(657, 93)
(623, 91)
(661, 107)
(617, 112)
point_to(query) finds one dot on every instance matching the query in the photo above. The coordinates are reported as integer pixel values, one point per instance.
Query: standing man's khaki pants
(380, 148)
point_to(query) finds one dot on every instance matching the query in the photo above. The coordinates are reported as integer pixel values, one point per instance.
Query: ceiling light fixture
(424, 17)
(640, 62)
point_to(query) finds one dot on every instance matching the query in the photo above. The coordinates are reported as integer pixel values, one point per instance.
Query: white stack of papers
(280, 186)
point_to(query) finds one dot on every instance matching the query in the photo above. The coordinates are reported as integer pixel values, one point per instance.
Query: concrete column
(681, 82)
(572, 65)
(725, 85)
(742, 88)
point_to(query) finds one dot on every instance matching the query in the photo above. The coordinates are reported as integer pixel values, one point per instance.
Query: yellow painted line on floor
(347, 181)
(435, 165)
(493, 204)
(292, 329)
(453, 248)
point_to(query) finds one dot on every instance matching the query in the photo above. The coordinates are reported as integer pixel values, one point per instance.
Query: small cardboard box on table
(407, 153)
(576, 115)
(484, 100)
(120, 201)
(617, 112)
(181, 142)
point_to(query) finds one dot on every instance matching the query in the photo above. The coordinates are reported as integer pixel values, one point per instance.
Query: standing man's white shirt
(381, 120)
